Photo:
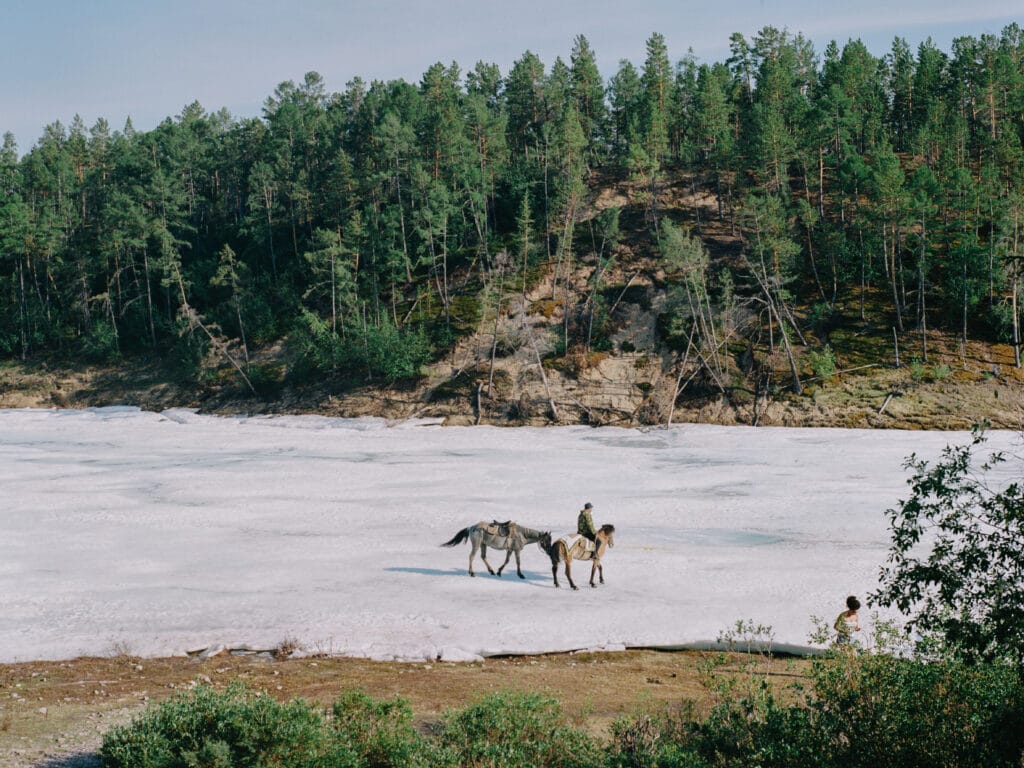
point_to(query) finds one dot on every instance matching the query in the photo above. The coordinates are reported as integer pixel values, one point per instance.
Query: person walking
(847, 622)
(585, 523)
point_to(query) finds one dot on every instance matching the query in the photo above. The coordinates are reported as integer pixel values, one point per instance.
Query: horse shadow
(461, 573)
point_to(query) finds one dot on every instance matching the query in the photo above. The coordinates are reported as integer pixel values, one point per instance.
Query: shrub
(903, 712)
(266, 378)
(509, 728)
(380, 733)
(917, 369)
(823, 363)
(101, 343)
(376, 352)
(238, 728)
(188, 353)
(954, 566)
(392, 353)
(866, 710)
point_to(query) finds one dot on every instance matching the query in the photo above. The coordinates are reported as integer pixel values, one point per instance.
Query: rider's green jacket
(585, 524)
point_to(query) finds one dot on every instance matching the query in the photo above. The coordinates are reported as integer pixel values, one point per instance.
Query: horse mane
(608, 528)
(531, 532)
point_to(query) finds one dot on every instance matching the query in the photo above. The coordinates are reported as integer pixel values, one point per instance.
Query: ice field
(157, 534)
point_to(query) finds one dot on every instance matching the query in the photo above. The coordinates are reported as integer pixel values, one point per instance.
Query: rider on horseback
(585, 523)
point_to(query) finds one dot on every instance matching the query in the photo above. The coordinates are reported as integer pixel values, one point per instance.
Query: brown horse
(560, 551)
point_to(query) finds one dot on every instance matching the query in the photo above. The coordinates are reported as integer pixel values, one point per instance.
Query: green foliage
(188, 353)
(861, 710)
(846, 175)
(917, 369)
(380, 733)
(901, 712)
(392, 353)
(236, 727)
(101, 343)
(239, 728)
(511, 728)
(381, 352)
(823, 363)
(954, 565)
(940, 372)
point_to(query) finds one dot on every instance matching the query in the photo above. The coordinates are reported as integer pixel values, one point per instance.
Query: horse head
(608, 530)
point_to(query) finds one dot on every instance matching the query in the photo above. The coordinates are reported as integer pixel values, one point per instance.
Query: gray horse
(509, 536)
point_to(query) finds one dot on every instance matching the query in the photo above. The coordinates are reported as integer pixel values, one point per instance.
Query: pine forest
(763, 212)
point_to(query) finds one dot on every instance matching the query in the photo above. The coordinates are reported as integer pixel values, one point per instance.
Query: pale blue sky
(149, 58)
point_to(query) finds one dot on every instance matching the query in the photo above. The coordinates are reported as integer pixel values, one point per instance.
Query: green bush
(101, 343)
(381, 733)
(871, 710)
(236, 727)
(375, 353)
(823, 363)
(516, 729)
(917, 369)
(188, 352)
(391, 353)
(862, 710)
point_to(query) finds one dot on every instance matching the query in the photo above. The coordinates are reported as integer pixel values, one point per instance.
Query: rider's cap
(588, 505)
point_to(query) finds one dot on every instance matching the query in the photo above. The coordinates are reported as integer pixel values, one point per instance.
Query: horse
(509, 536)
(577, 550)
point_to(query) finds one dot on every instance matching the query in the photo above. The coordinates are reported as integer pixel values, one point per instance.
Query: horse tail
(458, 538)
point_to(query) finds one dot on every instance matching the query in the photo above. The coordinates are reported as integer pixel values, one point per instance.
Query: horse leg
(596, 568)
(568, 573)
(508, 556)
(483, 556)
(472, 554)
(519, 567)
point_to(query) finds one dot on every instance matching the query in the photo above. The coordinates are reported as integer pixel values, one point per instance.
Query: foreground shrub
(877, 710)
(516, 729)
(380, 733)
(235, 728)
(238, 728)
(865, 711)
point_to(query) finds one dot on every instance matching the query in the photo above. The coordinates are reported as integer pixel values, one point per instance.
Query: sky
(162, 533)
(147, 60)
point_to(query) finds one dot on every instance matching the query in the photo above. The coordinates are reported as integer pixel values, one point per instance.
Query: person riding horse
(585, 523)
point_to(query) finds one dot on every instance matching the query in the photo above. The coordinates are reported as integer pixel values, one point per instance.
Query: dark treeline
(358, 223)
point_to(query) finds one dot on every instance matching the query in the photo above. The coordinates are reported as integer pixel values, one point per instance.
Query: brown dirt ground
(54, 713)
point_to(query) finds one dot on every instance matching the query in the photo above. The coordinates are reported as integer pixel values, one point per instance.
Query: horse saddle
(572, 539)
(505, 529)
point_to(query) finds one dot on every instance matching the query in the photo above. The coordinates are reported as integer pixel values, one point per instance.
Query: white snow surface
(164, 533)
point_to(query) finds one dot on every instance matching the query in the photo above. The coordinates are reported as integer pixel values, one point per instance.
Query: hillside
(632, 381)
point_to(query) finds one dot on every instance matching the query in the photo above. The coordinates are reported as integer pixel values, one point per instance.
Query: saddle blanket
(570, 540)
